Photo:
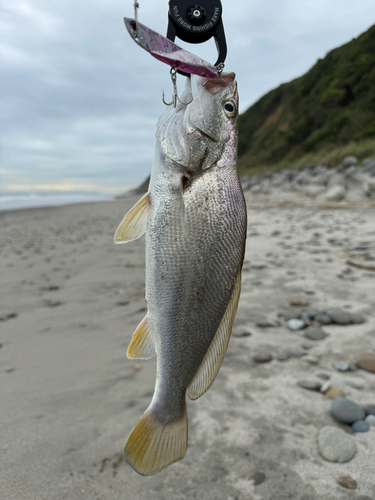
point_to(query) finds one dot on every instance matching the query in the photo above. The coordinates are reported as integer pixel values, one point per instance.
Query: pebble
(369, 410)
(311, 313)
(370, 419)
(311, 384)
(357, 319)
(339, 317)
(241, 332)
(341, 366)
(346, 411)
(314, 333)
(312, 360)
(324, 319)
(360, 426)
(288, 352)
(262, 324)
(258, 477)
(298, 302)
(334, 392)
(335, 445)
(367, 362)
(356, 384)
(323, 376)
(347, 482)
(263, 357)
(290, 315)
(295, 324)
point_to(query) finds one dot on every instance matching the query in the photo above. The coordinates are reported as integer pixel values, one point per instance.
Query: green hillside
(330, 108)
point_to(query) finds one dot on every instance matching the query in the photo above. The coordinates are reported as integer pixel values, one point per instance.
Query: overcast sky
(80, 99)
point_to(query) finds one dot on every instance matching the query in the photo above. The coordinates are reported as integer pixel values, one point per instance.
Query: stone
(295, 324)
(367, 362)
(262, 324)
(356, 319)
(346, 411)
(323, 376)
(334, 392)
(241, 332)
(341, 366)
(360, 426)
(314, 333)
(263, 357)
(335, 193)
(339, 317)
(370, 419)
(298, 302)
(258, 477)
(349, 161)
(323, 319)
(335, 445)
(355, 383)
(310, 384)
(347, 482)
(312, 360)
(311, 312)
(288, 352)
(369, 410)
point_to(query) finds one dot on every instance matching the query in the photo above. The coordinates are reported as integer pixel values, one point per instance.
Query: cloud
(80, 100)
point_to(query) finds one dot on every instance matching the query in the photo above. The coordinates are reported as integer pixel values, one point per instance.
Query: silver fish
(194, 217)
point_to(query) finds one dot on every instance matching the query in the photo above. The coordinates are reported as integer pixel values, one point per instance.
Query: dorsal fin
(134, 224)
(142, 344)
(214, 357)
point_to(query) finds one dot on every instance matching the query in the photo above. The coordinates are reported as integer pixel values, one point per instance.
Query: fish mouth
(206, 135)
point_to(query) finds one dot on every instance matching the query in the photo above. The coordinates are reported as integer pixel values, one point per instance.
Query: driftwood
(363, 265)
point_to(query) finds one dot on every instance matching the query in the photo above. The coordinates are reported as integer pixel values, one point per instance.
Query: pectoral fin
(134, 224)
(214, 357)
(142, 344)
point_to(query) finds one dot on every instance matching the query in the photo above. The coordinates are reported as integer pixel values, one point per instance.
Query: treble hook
(175, 97)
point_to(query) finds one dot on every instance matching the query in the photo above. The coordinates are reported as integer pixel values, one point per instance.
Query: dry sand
(69, 396)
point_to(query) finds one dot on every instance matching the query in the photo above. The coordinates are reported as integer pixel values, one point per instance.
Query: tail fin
(154, 444)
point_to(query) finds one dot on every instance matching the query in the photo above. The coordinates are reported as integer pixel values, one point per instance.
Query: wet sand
(69, 302)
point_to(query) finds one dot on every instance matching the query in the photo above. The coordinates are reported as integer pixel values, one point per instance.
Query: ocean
(26, 199)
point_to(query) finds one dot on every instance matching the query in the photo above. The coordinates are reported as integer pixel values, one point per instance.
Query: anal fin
(142, 344)
(214, 357)
(134, 224)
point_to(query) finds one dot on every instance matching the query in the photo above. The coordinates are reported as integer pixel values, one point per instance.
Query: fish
(194, 216)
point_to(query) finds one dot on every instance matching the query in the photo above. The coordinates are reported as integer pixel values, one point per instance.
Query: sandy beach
(69, 302)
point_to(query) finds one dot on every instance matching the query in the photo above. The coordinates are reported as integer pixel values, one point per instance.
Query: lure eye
(230, 109)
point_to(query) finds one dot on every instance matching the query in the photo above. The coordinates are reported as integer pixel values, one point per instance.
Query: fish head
(195, 135)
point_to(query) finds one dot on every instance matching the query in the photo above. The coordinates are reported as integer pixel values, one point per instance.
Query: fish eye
(230, 109)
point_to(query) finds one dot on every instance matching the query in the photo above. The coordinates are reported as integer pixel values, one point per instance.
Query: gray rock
(311, 384)
(369, 410)
(323, 376)
(339, 317)
(263, 357)
(335, 193)
(346, 410)
(341, 366)
(370, 419)
(356, 319)
(288, 352)
(311, 312)
(360, 426)
(295, 324)
(314, 333)
(241, 332)
(335, 445)
(348, 161)
(323, 319)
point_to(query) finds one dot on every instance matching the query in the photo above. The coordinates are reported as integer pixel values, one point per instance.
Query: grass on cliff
(326, 113)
